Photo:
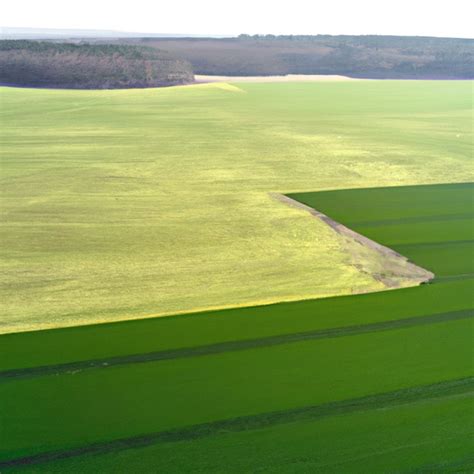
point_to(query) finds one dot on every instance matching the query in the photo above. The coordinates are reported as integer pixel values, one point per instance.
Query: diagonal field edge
(232, 346)
(450, 388)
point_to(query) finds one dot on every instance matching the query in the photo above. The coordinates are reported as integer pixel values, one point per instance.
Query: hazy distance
(217, 18)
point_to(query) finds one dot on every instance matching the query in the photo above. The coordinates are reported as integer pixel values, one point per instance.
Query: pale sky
(224, 17)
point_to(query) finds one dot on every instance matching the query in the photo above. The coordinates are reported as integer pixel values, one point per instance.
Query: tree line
(89, 66)
(357, 56)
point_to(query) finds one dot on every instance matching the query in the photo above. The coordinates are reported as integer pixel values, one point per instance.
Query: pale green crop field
(128, 204)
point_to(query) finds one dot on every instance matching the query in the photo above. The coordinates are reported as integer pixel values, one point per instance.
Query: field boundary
(399, 262)
(207, 78)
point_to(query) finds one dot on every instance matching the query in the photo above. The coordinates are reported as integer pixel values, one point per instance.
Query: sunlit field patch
(129, 204)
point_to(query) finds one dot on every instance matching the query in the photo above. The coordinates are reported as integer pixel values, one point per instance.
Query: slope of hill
(357, 56)
(86, 66)
(129, 204)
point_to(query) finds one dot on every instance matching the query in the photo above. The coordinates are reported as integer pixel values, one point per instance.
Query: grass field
(334, 444)
(432, 225)
(128, 204)
(379, 382)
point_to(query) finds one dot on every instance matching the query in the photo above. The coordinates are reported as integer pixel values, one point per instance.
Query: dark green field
(431, 225)
(367, 383)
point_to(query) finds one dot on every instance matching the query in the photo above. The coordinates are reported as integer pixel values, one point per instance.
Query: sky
(223, 17)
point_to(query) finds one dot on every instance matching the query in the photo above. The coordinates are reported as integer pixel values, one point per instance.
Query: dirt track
(287, 78)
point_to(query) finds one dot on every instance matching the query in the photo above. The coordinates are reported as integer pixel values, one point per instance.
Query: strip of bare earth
(446, 389)
(199, 78)
(398, 264)
(232, 346)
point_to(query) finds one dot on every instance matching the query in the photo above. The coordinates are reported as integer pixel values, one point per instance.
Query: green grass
(395, 398)
(127, 204)
(432, 225)
(77, 409)
(406, 438)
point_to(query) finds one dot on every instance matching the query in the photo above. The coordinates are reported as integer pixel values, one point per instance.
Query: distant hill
(356, 56)
(86, 66)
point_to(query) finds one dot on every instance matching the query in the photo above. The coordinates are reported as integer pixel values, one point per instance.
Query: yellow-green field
(127, 204)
